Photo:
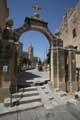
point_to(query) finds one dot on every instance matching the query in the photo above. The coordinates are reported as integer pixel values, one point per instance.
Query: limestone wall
(71, 21)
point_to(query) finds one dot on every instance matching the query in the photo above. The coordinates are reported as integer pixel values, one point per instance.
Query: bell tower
(30, 51)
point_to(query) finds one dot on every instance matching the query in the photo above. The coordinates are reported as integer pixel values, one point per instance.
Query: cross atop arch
(36, 7)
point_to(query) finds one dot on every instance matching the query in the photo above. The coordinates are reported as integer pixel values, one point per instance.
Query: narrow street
(26, 78)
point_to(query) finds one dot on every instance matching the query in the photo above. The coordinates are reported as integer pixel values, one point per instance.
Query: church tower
(30, 52)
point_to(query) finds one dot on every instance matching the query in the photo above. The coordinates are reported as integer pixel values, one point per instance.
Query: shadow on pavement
(22, 78)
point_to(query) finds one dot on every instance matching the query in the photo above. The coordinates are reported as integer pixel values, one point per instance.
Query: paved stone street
(40, 102)
(65, 112)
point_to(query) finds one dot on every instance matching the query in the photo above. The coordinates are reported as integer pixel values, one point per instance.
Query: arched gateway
(57, 54)
(34, 23)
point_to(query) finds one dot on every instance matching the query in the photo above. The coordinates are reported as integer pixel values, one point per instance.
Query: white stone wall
(71, 21)
(78, 61)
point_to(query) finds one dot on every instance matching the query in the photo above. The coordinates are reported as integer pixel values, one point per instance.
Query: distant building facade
(26, 59)
(4, 12)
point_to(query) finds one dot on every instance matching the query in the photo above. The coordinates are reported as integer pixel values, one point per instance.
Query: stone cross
(36, 8)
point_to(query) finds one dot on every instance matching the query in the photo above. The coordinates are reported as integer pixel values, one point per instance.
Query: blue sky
(52, 12)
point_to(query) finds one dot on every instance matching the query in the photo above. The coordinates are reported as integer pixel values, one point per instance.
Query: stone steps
(30, 93)
(33, 88)
(25, 94)
(30, 99)
(45, 98)
(21, 107)
(29, 96)
(29, 106)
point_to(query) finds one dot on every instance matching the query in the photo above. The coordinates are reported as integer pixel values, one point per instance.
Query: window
(74, 33)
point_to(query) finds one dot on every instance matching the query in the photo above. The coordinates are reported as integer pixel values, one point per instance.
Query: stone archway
(41, 26)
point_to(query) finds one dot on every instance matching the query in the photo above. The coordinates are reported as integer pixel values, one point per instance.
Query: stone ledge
(25, 94)
(30, 99)
(33, 88)
(22, 107)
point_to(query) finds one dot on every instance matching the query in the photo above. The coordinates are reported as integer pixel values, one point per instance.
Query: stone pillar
(66, 69)
(71, 68)
(0, 76)
(12, 71)
(54, 77)
(57, 84)
(52, 66)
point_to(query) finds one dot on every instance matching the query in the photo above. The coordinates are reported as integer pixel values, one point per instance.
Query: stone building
(70, 28)
(4, 12)
(69, 32)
